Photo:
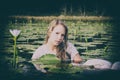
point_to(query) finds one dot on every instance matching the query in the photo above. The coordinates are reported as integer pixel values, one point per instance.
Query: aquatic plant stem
(15, 53)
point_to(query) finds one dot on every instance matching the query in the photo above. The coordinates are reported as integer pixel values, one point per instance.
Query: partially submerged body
(70, 55)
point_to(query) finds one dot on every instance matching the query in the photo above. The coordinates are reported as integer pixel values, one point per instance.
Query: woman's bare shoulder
(69, 44)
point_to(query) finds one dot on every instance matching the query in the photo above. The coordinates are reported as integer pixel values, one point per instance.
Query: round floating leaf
(48, 59)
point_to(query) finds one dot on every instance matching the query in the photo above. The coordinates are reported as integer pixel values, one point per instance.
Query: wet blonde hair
(61, 48)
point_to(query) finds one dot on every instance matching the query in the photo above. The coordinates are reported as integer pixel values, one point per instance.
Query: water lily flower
(15, 32)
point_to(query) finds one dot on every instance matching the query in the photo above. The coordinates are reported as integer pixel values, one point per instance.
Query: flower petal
(15, 32)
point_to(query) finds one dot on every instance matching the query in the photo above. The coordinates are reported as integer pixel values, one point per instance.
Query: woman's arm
(77, 58)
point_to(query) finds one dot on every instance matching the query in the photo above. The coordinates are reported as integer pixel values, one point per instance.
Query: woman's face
(57, 35)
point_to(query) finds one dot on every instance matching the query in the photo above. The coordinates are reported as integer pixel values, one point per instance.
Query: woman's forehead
(59, 28)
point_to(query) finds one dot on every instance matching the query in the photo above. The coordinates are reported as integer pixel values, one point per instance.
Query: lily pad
(48, 59)
(51, 63)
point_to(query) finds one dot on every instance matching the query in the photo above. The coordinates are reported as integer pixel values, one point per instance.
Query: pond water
(28, 71)
(93, 40)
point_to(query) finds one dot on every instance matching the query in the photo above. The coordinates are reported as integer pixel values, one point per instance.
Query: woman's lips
(57, 41)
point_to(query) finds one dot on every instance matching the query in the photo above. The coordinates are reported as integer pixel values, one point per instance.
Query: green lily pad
(48, 59)
(51, 63)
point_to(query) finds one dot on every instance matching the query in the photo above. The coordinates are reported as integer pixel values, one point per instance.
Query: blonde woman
(56, 43)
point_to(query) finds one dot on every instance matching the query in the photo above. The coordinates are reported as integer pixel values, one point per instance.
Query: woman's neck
(51, 47)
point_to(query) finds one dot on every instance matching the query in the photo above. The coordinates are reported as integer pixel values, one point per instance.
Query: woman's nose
(59, 37)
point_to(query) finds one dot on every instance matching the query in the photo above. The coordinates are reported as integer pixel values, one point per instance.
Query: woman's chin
(56, 44)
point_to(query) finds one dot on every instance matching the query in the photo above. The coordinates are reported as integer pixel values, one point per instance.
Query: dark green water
(99, 36)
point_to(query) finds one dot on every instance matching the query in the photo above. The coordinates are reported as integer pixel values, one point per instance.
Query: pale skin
(56, 37)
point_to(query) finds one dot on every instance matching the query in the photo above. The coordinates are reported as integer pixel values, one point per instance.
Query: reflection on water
(37, 66)
(29, 69)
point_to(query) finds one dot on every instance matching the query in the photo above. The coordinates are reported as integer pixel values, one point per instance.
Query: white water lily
(15, 32)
